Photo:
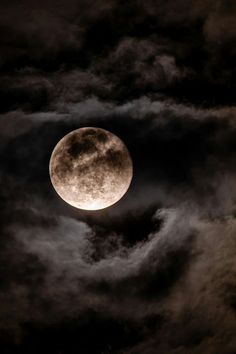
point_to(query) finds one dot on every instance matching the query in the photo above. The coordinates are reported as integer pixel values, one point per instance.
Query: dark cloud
(156, 271)
(117, 51)
(189, 155)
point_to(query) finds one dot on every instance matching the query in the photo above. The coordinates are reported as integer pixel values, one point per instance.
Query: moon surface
(90, 168)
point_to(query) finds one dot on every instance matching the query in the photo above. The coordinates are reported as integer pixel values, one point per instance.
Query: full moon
(91, 168)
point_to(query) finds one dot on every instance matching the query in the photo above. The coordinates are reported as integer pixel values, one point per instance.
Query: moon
(91, 168)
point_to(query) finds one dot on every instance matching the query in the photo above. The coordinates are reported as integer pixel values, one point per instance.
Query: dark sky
(156, 272)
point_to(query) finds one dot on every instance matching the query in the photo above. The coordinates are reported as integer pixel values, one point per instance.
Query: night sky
(156, 272)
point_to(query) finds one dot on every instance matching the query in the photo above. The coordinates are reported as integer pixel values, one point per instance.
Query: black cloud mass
(156, 272)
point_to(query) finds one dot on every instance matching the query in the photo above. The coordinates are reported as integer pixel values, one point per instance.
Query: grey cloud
(197, 311)
(145, 63)
(199, 316)
(159, 122)
(65, 251)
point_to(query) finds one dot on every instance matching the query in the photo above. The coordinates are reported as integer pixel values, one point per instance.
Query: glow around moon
(91, 168)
